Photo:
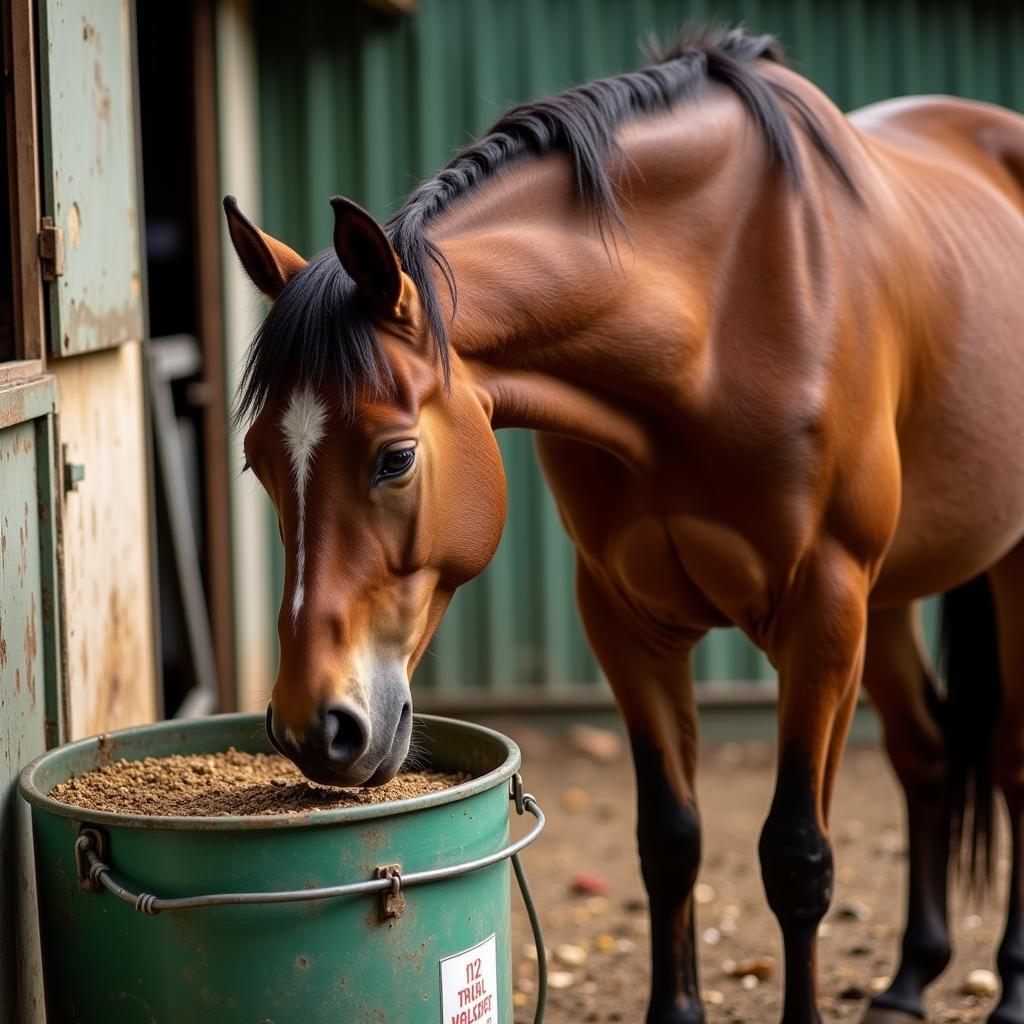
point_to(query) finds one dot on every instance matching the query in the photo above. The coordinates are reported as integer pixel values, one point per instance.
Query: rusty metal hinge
(51, 249)
(74, 472)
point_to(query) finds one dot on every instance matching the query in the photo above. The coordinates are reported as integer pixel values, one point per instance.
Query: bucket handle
(94, 874)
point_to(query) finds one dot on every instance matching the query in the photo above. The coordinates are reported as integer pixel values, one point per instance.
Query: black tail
(973, 697)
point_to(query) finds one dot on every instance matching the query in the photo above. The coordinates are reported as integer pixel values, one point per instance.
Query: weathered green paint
(28, 644)
(49, 494)
(320, 962)
(88, 145)
(354, 101)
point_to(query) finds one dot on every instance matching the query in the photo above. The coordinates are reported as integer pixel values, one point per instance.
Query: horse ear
(269, 263)
(369, 258)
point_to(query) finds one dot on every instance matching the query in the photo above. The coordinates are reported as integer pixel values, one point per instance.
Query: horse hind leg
(899, 679)
(1007, 582)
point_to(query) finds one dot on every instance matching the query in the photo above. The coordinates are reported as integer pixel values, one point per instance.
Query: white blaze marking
(303, 426)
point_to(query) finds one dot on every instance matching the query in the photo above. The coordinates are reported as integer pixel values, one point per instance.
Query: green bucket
(394, 913)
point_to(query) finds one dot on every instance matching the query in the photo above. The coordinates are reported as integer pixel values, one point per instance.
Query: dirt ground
(591, 815)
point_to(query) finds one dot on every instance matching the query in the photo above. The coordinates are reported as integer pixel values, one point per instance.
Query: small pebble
(712, 936)
(973, 921)
(854, 910)
(824, 930)
(624, 945)
(712, 997)
(981, 983)
(519, 999)
(759, 967)
(561, 979)
(879, 984)
(602, 745)
(605, 943)
(586, 884)
(703, 893)
(749, 981)
(575, 800)
(570, 955)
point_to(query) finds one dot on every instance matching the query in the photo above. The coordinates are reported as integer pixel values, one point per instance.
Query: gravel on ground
(585, 878)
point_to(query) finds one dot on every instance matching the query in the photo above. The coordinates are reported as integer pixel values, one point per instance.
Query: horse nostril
(345, 734)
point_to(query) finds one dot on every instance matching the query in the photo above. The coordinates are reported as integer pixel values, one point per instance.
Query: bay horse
(774, 357)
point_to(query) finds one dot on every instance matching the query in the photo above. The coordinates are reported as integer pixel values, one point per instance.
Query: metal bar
(19, 56)
(49, 491)
(146, 903)
(216, 461)
(168, 360)
(149, 466)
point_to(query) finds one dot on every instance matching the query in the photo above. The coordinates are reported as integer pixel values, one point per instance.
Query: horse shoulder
(618, 529)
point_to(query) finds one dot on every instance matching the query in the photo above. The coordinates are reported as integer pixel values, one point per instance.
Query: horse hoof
(882, 1015)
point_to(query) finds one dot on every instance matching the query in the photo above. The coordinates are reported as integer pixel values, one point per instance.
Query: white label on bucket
(469, 985)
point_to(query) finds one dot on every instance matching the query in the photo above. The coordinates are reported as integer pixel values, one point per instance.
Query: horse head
(387, 482)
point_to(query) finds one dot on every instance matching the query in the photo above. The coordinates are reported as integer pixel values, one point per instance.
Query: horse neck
(536, 331)
(599, 336)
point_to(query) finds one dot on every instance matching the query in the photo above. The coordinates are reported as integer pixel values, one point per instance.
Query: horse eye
(395, 462)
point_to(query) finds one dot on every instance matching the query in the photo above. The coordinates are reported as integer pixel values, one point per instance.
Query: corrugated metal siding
(360, 103)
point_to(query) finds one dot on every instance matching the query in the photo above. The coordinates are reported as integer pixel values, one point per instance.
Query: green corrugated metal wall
(365, 104)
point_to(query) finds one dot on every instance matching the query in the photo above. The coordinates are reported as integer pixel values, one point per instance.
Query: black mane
(320, 322)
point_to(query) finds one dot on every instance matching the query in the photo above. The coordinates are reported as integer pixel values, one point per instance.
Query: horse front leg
(649, 672)
(818, 646)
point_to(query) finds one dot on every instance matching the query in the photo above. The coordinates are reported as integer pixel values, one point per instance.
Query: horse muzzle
(346, 745)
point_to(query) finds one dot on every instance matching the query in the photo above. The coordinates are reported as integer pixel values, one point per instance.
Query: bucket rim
(34, 795)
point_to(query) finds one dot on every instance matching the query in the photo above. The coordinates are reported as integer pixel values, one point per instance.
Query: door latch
(51, 249)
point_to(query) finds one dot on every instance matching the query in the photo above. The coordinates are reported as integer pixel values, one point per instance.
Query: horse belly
(962, 458)
(962, 441)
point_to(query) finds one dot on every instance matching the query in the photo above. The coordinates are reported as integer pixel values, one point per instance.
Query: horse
(774, 359)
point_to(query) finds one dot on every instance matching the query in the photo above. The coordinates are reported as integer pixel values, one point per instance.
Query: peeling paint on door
(89, 163)
(27, 573)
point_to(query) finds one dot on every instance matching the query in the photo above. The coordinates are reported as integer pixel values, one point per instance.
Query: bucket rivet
(392, 900)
